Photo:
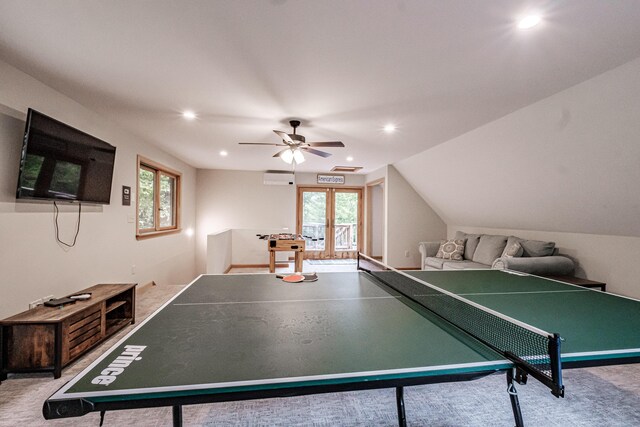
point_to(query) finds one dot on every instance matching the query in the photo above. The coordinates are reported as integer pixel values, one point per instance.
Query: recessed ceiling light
(349, 158)
(529, 21)
(223, 153)
(389, 128)
(189, 115)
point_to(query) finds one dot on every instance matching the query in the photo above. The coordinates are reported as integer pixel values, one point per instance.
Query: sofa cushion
(434, 262)
(463, 265)
(451, 249)
(513, 249)
(546, 265)
(471, 243)
(534, 248)
(489, 248)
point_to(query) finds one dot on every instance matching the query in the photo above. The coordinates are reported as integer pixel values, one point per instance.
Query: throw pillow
(451, 249)
(489, 248)
(515, 250)
(510, 241)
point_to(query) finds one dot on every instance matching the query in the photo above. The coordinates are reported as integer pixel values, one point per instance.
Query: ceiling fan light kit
(296, 144)
(287, 156)
(291, 154)
(297, 156)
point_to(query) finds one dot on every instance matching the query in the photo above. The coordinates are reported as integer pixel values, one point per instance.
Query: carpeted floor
(605, 396)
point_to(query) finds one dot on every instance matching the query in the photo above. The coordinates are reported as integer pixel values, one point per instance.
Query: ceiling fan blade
(284, 136)
(326, 144)
(316, 152)
(261, 143)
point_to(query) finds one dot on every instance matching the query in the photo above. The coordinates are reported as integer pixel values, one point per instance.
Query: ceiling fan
(296, 144)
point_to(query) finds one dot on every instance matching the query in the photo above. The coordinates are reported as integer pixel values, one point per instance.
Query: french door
(330, 219)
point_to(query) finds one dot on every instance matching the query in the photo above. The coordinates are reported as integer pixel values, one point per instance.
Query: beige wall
(410, 220)
(230, 199)
(568, 163)
(219, 247)
(239, 200)
(32, 263)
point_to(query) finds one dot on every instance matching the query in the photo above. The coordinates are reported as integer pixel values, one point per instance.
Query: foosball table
(284, 242)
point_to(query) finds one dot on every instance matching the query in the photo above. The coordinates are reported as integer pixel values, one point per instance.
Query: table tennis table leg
(177, 415)
(402, 420)
(513, 395)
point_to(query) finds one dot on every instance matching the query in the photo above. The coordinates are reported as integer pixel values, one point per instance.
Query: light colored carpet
(307, 267)
(605, 396)
(332, 261)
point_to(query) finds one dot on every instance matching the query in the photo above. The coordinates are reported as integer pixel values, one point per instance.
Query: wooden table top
(43, 314)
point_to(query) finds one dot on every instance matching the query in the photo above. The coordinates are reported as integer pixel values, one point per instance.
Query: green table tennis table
(250, 336)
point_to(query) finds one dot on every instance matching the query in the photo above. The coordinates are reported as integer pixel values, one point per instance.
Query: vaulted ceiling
(436, 69)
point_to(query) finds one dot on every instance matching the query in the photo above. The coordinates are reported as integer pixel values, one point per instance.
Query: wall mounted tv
(59, 162)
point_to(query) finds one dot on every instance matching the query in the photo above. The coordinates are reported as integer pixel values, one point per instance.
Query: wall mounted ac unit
(278, 178)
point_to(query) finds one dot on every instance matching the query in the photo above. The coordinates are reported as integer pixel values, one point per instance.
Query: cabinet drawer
(81, 319)
(84, 330)
(84, 341)
(81, 326)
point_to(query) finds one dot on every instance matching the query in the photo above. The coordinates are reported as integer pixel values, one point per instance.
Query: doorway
(375, 238)
(330, 219)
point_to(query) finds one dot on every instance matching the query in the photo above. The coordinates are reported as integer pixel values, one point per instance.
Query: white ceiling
(435, 68)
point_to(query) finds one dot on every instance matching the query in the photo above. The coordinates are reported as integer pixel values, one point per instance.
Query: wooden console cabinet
(46, 339)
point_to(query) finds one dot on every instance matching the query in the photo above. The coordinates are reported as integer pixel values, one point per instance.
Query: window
(158, 199)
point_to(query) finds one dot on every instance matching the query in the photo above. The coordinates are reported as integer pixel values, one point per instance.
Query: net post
(513, 396)
(556, 365)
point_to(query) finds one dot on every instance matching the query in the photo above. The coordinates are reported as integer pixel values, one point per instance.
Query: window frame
(158, 170)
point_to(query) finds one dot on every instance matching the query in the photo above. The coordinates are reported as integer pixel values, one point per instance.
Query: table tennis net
(533, 351)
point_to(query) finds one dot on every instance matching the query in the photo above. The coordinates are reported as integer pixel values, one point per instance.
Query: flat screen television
(59, 162)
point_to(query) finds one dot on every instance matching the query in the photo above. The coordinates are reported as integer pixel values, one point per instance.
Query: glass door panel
(330, 219)
(346, 221)
(314, 222)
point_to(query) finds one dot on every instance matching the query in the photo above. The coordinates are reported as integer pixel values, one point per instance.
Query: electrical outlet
(133, 269)
(34, 304)
(47, 298)
(406, 254)
(131, 219)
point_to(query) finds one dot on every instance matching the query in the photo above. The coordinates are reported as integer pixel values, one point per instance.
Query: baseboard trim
(145, 286)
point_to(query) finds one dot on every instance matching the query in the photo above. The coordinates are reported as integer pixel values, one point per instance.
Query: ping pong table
(237, 337)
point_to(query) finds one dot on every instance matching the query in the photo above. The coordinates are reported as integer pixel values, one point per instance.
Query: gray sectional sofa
(484, 251)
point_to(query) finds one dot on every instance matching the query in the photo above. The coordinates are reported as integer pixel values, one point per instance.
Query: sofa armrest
(554, 265)
(427, 249)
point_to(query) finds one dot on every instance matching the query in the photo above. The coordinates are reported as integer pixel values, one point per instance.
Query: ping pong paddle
(310, 277)
(293, 278)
